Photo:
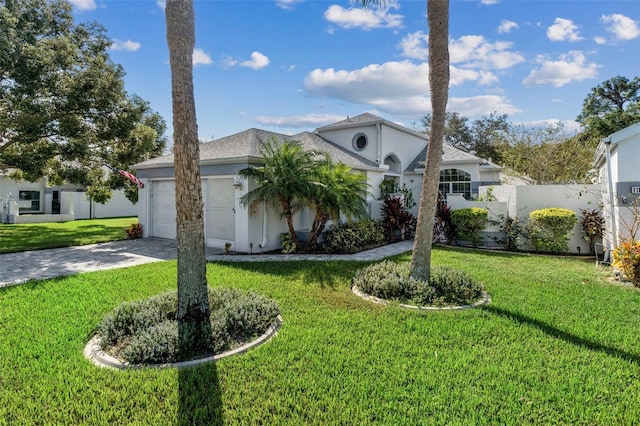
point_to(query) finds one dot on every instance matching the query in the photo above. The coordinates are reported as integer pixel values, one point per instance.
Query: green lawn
(36, 236)
(558, 345)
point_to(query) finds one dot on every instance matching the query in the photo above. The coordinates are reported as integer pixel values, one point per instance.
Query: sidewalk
(16, 268)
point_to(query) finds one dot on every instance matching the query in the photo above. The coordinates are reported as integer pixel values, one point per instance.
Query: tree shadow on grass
(562, 335)
(200, 396)
(321, 273)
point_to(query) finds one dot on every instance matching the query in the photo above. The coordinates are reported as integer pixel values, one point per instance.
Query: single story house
(35, 202)
(368, 144)
(617, 160)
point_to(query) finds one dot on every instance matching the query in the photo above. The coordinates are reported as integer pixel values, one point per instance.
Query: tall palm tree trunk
(438, 21)
(193, 304)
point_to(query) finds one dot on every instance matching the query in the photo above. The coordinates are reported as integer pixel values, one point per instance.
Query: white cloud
(371, 83)
(562, 30)
(200, 57)
(400, 88)
(128, 45)
(478, 106)
(257, 61)
(622, 27)
(287, 4)
(489, 2)
(566, 69)
(476, 52)
(299, 121)
(472, 51)
(414, 45)
(600, 40)
(162, 4)
(82, 5)
(365, 19)
(506, 26)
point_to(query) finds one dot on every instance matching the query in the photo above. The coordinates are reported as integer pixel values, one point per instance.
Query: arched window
(393, 163)
(454, 181)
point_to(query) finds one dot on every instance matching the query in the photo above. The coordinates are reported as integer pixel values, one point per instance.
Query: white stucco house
(371, 145)
(37, 202)
(617, 160)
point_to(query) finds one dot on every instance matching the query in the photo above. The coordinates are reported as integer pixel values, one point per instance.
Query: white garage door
(163, 209)
(220, 219)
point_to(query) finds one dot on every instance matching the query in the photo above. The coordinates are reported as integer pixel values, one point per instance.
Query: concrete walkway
(16, 268)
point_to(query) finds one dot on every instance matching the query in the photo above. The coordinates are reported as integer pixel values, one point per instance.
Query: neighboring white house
(618, 162)
(33, 202)
(368, 144)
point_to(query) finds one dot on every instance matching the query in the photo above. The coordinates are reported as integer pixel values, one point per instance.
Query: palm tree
(283, 180)
(337, 191)
(438, 23)
(193, 303)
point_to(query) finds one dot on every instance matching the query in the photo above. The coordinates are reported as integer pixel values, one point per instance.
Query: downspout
(379, 130)
(607, 147)
(263, 243)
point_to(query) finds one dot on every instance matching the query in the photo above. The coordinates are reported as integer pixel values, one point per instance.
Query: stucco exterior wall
(522, 200)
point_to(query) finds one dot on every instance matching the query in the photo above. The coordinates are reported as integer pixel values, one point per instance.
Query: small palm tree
(336, 191)
(284, 180)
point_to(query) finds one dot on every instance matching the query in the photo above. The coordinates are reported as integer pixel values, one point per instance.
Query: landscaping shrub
(391, 281)
(288, 246)
(467, 223)
(134, 231)
(512, 232)
(395, 218)
(592, 227)
(549, 229)
(627, 257)
(442, 226)
(353, 237)
(146, 331)
(453, 286)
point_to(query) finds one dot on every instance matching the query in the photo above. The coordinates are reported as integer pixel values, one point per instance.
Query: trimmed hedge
(468, 223)
(550, 229)
(353, 237)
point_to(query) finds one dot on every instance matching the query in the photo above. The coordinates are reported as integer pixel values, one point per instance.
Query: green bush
(549, 229)
(453, 286)
(391, 281)
(353, 237)
(288, 246)
(146, 331)
(467, 223)
(512, 232)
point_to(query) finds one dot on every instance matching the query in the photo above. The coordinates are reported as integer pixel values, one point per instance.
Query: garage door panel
(163, 210)
(220, 212)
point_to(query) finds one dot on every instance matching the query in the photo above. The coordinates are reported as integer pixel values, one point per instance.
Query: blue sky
(294, 65)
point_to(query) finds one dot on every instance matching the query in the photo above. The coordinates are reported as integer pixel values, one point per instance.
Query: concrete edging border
(484, 300)
(94, 353)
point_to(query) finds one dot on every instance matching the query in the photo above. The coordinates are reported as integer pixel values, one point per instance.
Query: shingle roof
(245, 145)
(365, 118)
(449, 155)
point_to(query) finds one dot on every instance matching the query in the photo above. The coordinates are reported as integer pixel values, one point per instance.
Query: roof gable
(449, 155)
(245, 146)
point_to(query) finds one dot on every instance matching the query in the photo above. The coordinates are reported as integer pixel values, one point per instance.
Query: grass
(36, 236)
(558, 345)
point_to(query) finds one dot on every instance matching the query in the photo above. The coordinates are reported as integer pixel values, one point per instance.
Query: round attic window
(360, 141)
